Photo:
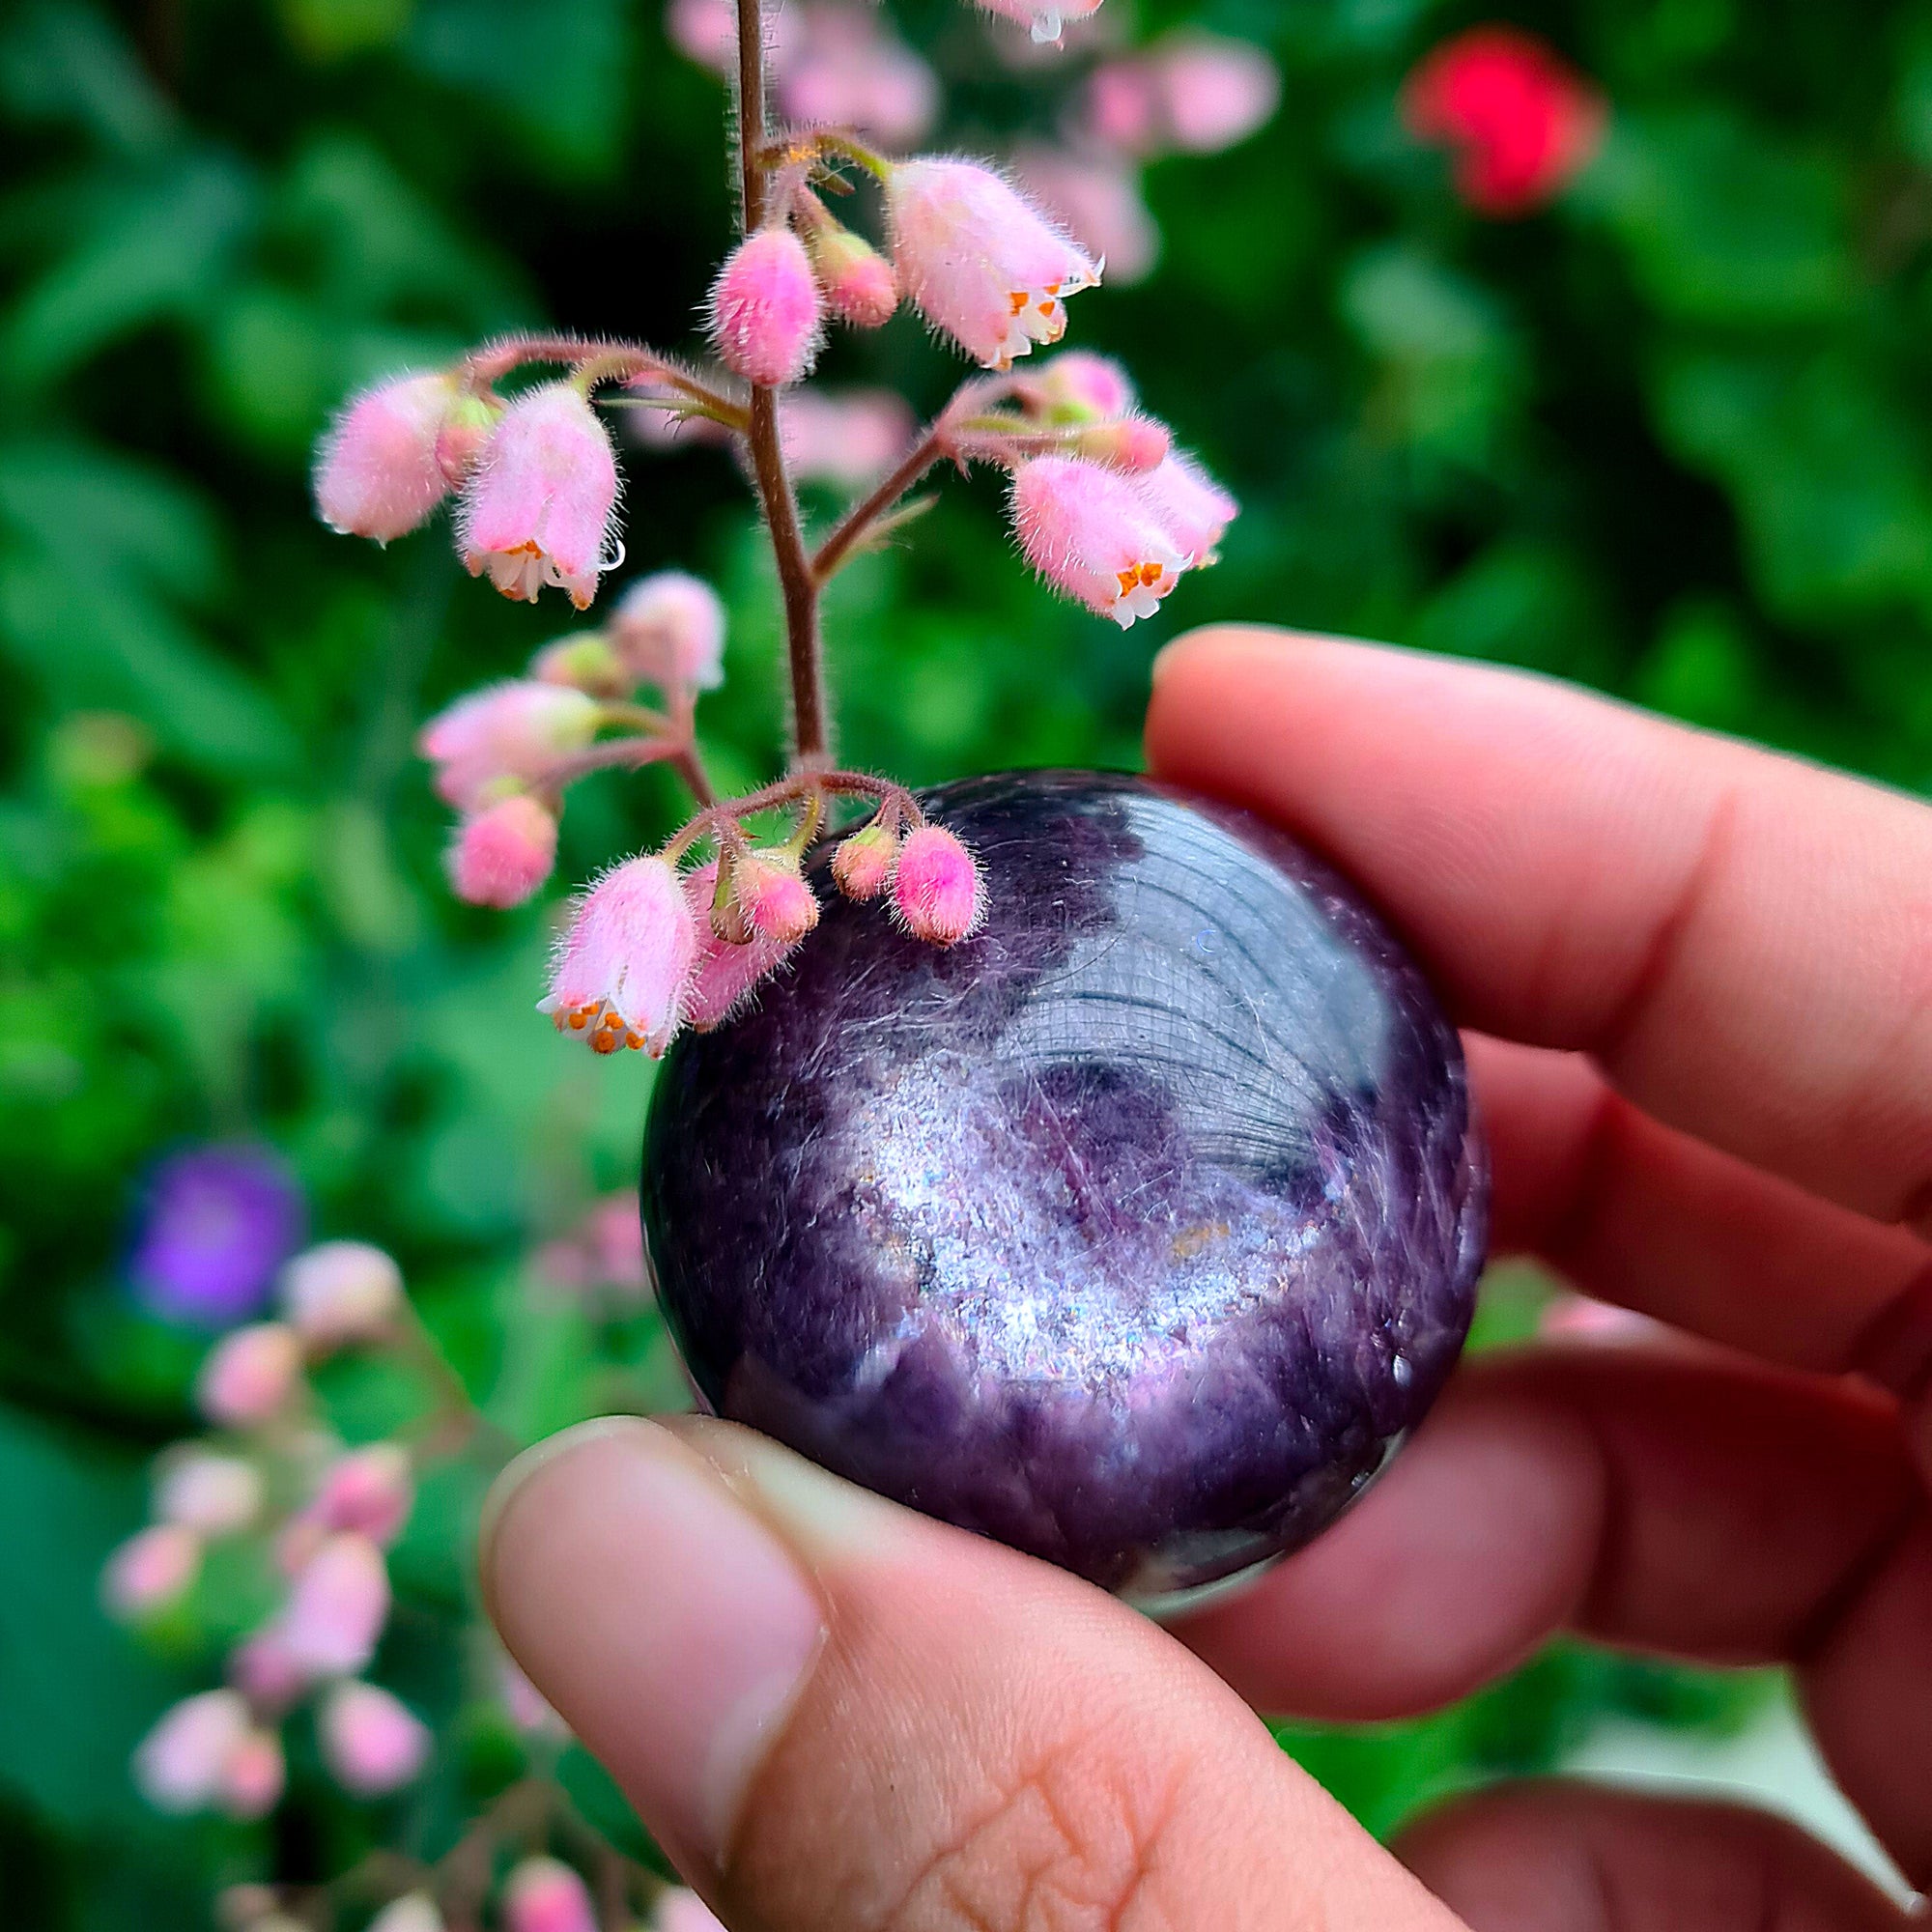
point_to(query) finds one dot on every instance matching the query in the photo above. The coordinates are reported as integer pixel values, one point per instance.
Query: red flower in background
(1521, 121)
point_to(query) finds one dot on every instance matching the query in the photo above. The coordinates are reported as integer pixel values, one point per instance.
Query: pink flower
(861, 868)
(504, 738)
(682, 1911)
(181, 1764)
(377, 473)
(668, 629)
(937, 892)
(210, 1493)
(771, 894)
(336, 1609)
(539, 507)
(1135, 444)
(848, 438)
(766, 316)
(1077, 386)
(981, 262)
(528, 1710)
(587, 663)
(843, 70)
(367, 1491)
(726, 974)
(371, 1742)
(340, 1292)
(253, 1778)
(1046, 20)
(857, 281)
(1195, 509)
(265, 1674)
(1523, 123)
(502, 854)
(249, 1374)
(545, 1895)
(706, 31)
(624, 968)
(153, 1569)
(1099, 197)
(1121, 107)
(1214, 92)
(1092, 533)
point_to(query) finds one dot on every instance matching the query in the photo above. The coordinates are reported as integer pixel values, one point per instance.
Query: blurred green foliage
(1669, 438)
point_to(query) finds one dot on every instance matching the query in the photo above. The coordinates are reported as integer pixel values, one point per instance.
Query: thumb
(839, 1716)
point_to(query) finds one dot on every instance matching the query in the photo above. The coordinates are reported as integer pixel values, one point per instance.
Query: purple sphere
(216, 1223)
(1134, 1232)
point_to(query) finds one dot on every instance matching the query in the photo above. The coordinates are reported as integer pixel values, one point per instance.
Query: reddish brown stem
(837, 548)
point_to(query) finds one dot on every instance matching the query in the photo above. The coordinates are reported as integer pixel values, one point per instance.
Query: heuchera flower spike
(668, 630)
(504, 738)
(625, 965)
(1195, 509)
(727, 973)
(980, 260)
(1092, 535)
(766, 316)
(378, 474)
(538, 510)
(937, 893)
(502, 854)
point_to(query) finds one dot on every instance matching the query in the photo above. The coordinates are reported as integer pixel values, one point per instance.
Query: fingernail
(663, 1618)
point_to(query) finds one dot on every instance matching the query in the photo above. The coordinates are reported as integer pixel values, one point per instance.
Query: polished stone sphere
(1135, 1231)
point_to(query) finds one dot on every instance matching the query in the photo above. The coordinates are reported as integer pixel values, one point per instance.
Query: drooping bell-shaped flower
(504, 738)
(767, 318)
(371, 1741)
(727, 974)
(624, 967)
(937, 893)
(540, 505)
(1090, 532)
(154, 1567)
(668, 630)
(207, 1492)
(367, 1491)
(1195, 509)
(181, 1763)
(980, 261)
(1045, 19)
(1079, 385)
(771, 895)
(502, 854)
(378, 474)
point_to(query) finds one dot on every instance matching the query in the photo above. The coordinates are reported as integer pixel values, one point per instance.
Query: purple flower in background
(215, 1225)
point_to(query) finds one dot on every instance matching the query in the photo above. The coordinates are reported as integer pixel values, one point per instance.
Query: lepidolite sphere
(1135, 1231)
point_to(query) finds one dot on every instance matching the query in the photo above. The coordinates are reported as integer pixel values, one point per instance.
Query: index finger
(1743, 942)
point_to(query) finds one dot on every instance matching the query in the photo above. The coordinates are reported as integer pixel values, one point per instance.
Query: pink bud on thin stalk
(262, 1668)
(1195, 509)
(727, 974)
(368, 1491)
(370, 1741)
(937, 893)
(1134, 443)
(540, 506)
(1094, 536)
(336, 1609)
(154, 1568)
(341, 1291)
(210, 1493)
(668, 630)
(206, 1753)
(546, 1895)
(588, 662)
(980, 260)
(772, 894)
(1078, 387)
(251, 1375)
(862, 866)
(1045, 19)
(766, 316)
(858, 282)
(378, 474)
(504, 738)
(625, 964)
(502, 855)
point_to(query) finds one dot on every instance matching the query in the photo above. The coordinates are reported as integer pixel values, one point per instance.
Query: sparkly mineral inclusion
(1134, 1232)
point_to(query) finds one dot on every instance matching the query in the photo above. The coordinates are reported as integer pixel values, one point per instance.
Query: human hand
(1699, 980)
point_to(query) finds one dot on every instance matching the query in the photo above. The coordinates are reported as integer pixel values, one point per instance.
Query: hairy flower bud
(340, 1292)
(465, 434)
(1133, 443)
(766, 316)
(1045, 19)
(368, 1491)
(154, 1568)
(937, 892)
(625, 964)
(336, 1607)
(265, 1674)
(727, 974)
(378, 474)
(371, 1742)
(210, 1493)
(1214, 92)
(538, 509)
(588, 664)
(504, 738)
(1079, 386)
(858, 281)
(546, 1895)
(1093, 537)
(1194, 508)
(772, 894)
(668, 629)
(980, 260)
(502, 854)
(861, 868)
(249, 1374)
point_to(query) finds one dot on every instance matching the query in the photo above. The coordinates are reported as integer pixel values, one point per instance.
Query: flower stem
(837, 548)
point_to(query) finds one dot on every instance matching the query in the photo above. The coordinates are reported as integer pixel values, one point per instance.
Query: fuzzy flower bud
(980, 260)
(1045, 19)
(367, 1491)
(668, 630)
(465, 434)
(1133, 443)
(505, 736)
(414, 1912)
(249, 1374)
(204, 1753)
(589, 664)
(937, 892)
(377, 473)
(371, 1742)
(766, 316)
(341, 1291)
(1194, 508)
(1077, 387)
(859, 284)
(545, 1895)
(1215, 92)
(210, 1493)
(265, 1674)
(254, 1778)
(727, 973)
(502, 854)
(153, 1569)
(539, 507)
(862, 866)
(1095, 537)
(624, 967)
(772, 894)
(336, 1607)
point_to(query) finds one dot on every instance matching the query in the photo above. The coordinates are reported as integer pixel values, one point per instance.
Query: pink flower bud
(504, 853)
(861, 868)
(212, 1495)
(668, 629)
(265, 1674)
(370, 1742)
(980, 260)
(936, 890)
(1122, 107)
(250, 1375)
(414, 1912)
(1077, 386)
(727, 974)
(1133, 443)
(1214, 92)
(253, 1778)
(1099, 197)
(368, 1491)
(1092, 535)
(340, 1292)
(776, 901)
(766, 316)
(181, 1763)
(625, 965)
(842, 68)
(848, 438)
(377, 473)
(465, 434)
(682, 1911)
(153, 1569)
(545, 1895)
(336, 1609)
(539, 507)
(1194, 508)
(859, 284)
(1045, 19)
(589, 664)
(504, 738)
